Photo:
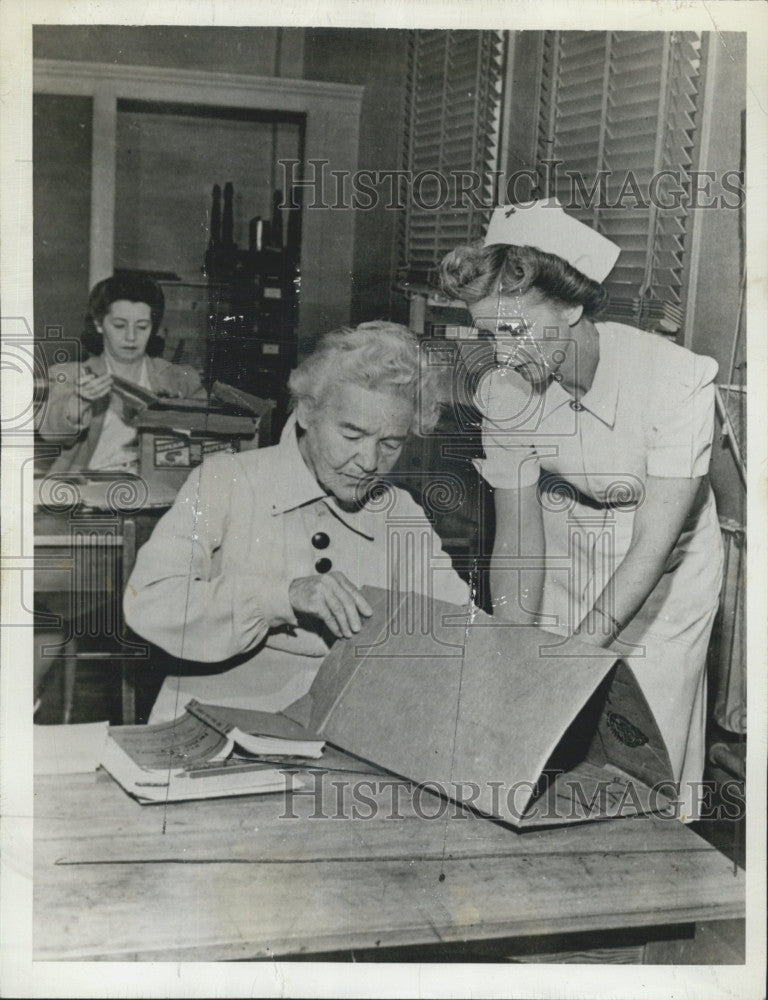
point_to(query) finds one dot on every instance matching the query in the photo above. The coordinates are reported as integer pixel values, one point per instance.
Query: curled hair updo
(129, 286)
(474, 272)
(381, 356)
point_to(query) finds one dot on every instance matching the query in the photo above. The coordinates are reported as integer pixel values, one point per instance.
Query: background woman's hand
(332, 598)
(88, 388)
(91, 387)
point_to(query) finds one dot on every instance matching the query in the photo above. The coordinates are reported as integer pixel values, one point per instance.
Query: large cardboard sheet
(534, 729)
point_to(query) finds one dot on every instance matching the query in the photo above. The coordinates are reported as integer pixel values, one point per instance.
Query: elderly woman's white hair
(381, 356)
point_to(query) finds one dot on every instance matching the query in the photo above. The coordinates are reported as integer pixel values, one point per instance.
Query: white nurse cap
(544, 224)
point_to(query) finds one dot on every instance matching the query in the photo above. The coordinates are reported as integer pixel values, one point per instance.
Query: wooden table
(237, 879)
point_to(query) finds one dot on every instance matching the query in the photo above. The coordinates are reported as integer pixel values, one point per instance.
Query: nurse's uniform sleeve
(682, 417)
(511, 461)
(177, 600)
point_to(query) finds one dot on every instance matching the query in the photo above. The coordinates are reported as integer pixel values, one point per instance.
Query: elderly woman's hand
(332, 598)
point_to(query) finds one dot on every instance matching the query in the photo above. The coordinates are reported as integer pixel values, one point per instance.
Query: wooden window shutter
(452, 124)
(616, 109)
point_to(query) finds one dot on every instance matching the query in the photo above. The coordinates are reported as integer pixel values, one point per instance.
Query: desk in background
(84, 553)
(236, 879)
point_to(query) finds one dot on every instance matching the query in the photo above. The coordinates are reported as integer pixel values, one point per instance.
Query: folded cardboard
(534, 729)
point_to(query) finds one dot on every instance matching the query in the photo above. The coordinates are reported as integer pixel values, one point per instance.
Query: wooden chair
(88, 556)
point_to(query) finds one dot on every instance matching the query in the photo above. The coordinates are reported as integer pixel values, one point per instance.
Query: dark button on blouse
(576, 405)
(320, 540)
(323, 565)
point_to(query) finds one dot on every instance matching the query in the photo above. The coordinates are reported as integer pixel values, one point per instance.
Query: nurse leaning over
(597, 439)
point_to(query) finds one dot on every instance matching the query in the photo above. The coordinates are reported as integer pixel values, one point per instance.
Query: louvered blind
(453, 115)
(617, 108)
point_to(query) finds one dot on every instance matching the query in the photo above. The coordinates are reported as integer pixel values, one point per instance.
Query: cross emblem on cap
(543, 224)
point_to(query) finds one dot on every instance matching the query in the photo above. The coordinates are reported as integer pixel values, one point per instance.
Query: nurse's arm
(657, 526)
(516, 592)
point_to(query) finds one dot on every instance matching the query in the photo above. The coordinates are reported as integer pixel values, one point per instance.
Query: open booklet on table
(213, 752)
(203, 754)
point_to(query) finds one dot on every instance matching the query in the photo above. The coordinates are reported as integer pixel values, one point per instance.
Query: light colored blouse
(212, 582)
(649, 412)
(117, 447)
(78, 438)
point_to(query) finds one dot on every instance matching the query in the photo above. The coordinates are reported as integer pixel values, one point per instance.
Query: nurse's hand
(332, 598)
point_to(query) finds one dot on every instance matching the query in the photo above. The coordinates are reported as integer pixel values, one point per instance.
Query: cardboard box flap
(236, 401)
(419, 693)
(132, 392)
(139, 397)
(241, 400)
(194, 423)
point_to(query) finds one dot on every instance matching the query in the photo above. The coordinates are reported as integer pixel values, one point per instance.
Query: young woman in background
(82, 413)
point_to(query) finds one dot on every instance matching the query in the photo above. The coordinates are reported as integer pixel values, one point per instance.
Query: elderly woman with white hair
(260, 562)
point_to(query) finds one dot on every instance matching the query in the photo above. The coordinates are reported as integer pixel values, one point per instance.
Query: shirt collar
(296, 487)
(602, 398)
(295, 484)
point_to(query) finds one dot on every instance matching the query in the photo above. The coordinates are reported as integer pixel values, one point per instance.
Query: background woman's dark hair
(473, 272)
(131, 286)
